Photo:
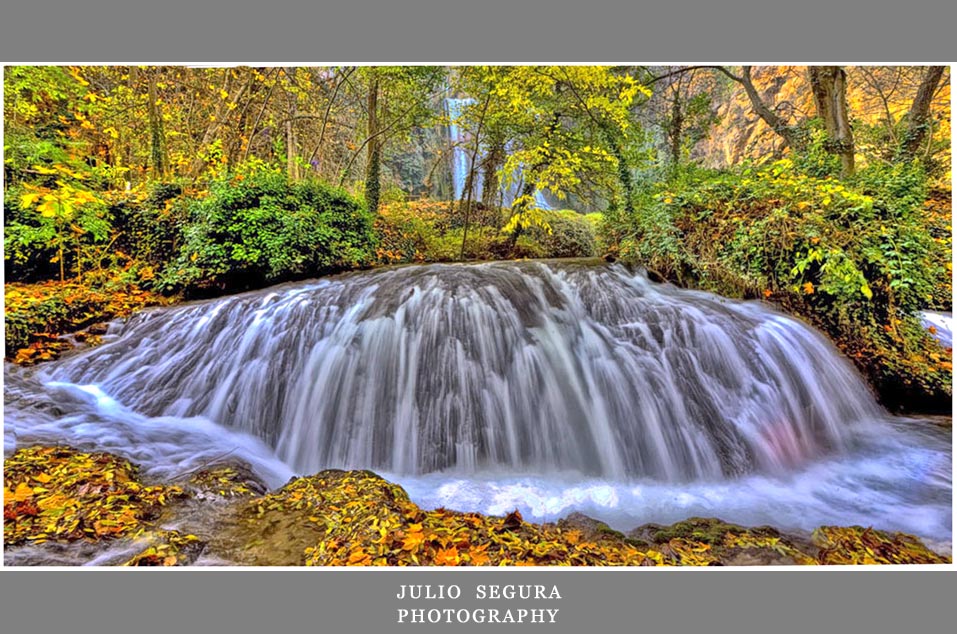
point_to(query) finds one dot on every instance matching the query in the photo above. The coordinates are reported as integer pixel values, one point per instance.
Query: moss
(705, 530)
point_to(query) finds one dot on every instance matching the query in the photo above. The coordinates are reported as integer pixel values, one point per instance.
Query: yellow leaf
(27, 200)
(808, 288)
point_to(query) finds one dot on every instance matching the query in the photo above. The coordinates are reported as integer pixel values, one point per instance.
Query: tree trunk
(292, 143)
(918, 117)
(157, 135)
(676, 128)
(374, 156)
(222, 111)
(491, 165)
(470, 184)
(829, 87)
(791, 135)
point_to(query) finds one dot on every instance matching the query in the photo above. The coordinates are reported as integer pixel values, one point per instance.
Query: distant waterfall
(461, 157)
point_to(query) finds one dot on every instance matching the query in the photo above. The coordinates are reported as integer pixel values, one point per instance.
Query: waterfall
(547, 386)
(519, 367)
(460, 151)
(461, 158)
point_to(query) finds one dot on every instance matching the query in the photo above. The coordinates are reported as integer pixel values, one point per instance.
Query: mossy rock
(708, 530)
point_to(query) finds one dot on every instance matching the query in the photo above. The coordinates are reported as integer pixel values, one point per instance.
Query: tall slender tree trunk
(829, 87)
(212, 130)
(157, 135)
(470, 184)
(918, 117)
(292, 143)
(374, 149)
(677, 127)
(493, 162)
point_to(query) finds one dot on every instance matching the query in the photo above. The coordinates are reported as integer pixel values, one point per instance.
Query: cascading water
(461, 159)
(549, 386)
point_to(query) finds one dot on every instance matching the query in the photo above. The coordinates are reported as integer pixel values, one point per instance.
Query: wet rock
(315, 515)
(730, 544)
(168, 548)
(227, 479)
(590, 528)
(99, 329)
(708, 530)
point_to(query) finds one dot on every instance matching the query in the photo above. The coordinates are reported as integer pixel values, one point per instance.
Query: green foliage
(258, 228)
(569, 235)
(858, 258)
(428, 231)
(65, 225)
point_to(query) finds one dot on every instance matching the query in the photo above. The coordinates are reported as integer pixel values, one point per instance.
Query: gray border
(481, 31)
(628, 601)
(490, 31)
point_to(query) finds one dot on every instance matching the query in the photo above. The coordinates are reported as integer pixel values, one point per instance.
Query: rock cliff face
(878, 97)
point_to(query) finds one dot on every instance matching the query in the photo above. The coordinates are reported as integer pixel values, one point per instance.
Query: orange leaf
(447, 557)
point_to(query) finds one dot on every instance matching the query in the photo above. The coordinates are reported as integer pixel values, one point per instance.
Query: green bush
(257, 228)
(571, 235)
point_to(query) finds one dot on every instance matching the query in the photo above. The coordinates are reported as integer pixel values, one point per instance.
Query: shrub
(570, 235)
(257, 228)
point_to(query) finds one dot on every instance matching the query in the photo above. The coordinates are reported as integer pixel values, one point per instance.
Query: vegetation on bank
(432, 231)
(355, 518)
(859, 258)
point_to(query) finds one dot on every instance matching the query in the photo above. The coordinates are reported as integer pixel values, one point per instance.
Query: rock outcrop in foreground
(57, 496)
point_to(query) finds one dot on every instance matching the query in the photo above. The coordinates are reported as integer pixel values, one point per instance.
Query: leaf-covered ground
(36, 315)
(356, 518)
(57, 495)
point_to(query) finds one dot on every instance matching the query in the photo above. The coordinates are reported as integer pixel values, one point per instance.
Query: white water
(943, 325)
(549, 387)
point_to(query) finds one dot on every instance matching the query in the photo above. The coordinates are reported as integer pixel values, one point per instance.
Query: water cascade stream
(548, 386)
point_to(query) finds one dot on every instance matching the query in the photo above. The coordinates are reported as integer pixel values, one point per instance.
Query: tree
(917, 120)
(157, 134)
(684, 109)
(566, 129)
(829, 88)
(398, 99)
(793, 135)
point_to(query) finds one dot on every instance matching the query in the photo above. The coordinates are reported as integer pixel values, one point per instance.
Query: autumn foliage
(59, 494)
